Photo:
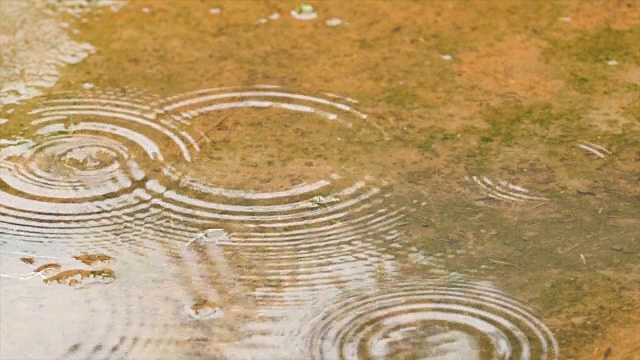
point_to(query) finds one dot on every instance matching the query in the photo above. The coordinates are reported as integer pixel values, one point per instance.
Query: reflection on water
(34, 46)
(187, 221)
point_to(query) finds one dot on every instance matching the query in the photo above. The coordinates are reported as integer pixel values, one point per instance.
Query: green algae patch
(516, 122)
(589, 62)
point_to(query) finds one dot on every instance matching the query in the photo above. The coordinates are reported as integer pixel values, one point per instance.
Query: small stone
(565, 19)
(87, 85)
(447, 57)
(617, 248)
(612, 63)
(146, 10)
(333, 22)
(215, 11)
(274, 16)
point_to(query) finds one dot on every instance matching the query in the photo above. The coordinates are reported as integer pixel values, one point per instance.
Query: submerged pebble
(274, 16)
(334, 22)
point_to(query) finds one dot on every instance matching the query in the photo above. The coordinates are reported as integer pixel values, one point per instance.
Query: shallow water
(440, 180)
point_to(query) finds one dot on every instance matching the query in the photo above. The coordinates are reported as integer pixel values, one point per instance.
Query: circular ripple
(78, 174)
(430, 320)
(300, 242)
(297, 229)
(501, 190)
(266, 139)
(86, 177)
(71, 166)
(286, 251)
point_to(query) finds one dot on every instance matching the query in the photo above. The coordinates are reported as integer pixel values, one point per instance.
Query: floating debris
(334, 22)
(612, 63)
(47, 268)
(320, 200)
(304, 12)
(262, 21)
(28, 260)
(215, 11)
(565, 19)
(78, 278)
(65, 271)
(203, 310)
(92, 260)
(595, 149)
(87, 86)
(447, 57)
(211, 235)
(146, 10)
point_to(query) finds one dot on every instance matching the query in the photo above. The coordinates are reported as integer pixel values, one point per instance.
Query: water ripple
(79, 171)
(429, 320)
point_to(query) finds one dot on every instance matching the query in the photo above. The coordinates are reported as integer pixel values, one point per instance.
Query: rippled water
(111, 174)
(431, 319)
(180, 209)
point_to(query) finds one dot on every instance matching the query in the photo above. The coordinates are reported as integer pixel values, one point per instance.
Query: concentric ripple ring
(81, 167)
(431, 320)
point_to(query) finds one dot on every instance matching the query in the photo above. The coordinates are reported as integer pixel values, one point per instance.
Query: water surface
(440, 180)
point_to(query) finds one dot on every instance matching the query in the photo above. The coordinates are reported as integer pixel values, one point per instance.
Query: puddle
(354, 186)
